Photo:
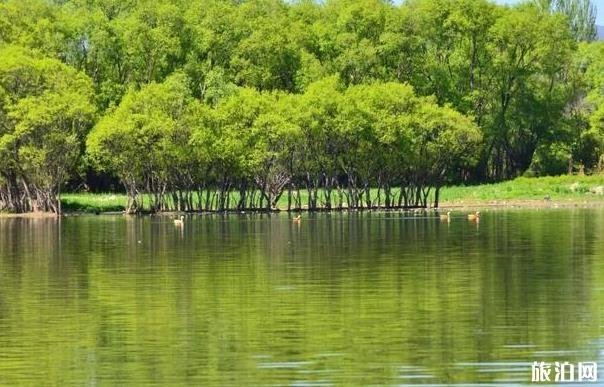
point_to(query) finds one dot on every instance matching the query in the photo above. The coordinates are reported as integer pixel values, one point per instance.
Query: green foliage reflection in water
(264, 96)
(350, 299)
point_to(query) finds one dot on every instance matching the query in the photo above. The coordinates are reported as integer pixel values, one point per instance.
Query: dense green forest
(194, 103)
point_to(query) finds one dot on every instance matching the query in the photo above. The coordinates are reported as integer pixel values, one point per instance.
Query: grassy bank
(557, 188)
(564, 189)
(93, 203)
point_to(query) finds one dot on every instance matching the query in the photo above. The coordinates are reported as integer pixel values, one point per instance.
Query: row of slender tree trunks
(318, 193)
(310, 195)
(17, 195)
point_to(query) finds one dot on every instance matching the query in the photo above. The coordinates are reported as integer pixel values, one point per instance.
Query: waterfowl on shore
(297, 218)
(446, 217)
(179, 222)
(474, 216)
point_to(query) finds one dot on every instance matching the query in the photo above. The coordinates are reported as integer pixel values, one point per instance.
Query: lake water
(339, 299)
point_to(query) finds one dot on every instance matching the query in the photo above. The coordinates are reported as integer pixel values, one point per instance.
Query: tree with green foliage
(276, 139)
(580, 14)
(529, 90)
(145, 142)
(591, 139)
(45, 110)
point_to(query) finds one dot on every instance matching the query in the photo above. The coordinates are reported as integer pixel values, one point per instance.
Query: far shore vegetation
(219, 105)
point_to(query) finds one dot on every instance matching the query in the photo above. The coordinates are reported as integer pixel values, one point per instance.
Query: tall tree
(45, 111)
(145, 141)
(581, 15)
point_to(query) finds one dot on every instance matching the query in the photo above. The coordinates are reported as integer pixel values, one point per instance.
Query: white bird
(179, 222)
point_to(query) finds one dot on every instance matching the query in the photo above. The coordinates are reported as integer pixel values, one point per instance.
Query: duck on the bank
(474, 216)
(297, 219)
(179, 222)
(447, 217)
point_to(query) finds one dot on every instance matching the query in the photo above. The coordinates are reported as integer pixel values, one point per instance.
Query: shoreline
(524, 203)
(30, 215)
(470, 204)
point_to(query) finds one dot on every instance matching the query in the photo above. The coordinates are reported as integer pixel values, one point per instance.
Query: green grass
(567, 187)
(556, 187)
(93, 203)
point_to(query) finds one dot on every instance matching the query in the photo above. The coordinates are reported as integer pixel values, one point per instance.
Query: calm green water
(340, 299)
